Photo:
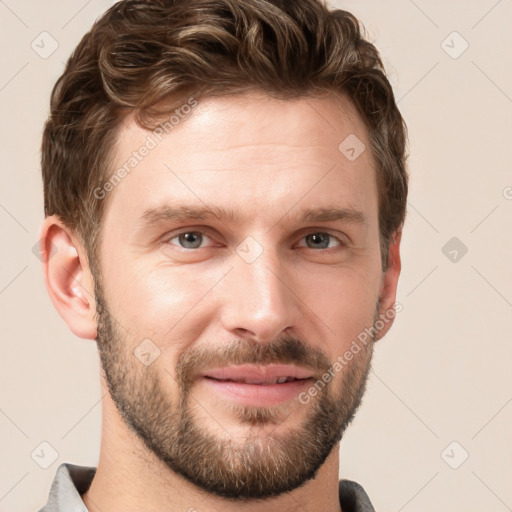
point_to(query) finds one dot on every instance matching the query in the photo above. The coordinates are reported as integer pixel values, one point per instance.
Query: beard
(262, 464)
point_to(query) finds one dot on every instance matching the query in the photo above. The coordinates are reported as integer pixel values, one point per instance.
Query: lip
(222, 381)
(253, 372)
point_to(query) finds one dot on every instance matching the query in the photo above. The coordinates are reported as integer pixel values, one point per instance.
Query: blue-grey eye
(319, 240)
(190, 239)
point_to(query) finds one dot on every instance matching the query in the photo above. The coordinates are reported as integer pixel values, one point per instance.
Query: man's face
(218, 308)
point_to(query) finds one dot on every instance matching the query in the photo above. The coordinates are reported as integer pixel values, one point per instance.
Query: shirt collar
(72, 481)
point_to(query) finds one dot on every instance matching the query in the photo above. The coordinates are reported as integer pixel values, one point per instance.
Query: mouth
(267, 382)
(257, 385)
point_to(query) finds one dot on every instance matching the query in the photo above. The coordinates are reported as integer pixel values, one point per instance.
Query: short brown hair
(142, 54)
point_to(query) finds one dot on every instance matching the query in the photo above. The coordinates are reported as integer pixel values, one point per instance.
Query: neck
(131, 478)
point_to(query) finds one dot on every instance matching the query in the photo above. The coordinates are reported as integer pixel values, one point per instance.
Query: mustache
(284, 350)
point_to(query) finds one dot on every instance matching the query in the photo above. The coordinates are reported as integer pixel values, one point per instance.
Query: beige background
(443, 372)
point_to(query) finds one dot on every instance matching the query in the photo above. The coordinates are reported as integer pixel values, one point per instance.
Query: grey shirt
(72, 481)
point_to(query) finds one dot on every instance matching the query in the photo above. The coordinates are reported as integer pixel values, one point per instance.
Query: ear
(389, 283)
(68, 278)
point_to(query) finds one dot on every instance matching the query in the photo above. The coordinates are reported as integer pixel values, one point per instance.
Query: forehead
(249, 153)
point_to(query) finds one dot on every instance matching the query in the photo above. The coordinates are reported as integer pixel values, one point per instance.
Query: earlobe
(67, 277)
(389, 283)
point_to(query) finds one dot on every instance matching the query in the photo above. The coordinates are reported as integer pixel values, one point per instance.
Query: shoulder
(69, 483)
(353, 497)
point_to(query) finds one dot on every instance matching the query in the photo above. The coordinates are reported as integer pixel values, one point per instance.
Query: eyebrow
(186, 213)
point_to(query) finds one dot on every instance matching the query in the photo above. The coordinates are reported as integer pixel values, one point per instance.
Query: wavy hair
(145, 56)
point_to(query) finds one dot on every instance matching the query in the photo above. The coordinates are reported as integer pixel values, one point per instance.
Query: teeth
(268, 382)
(253, 381)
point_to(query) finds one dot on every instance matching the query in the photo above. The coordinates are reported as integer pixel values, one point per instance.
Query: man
(225, 191)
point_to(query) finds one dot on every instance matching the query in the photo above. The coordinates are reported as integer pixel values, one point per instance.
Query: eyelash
(178, 234)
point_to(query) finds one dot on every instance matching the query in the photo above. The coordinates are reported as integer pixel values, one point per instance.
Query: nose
(260, 299)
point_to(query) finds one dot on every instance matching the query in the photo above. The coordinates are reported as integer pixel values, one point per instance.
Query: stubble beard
(263, 464)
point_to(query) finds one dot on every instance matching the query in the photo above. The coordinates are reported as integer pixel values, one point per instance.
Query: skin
(267, 160)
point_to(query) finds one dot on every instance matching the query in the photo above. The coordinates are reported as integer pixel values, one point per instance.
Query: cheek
(344, 302)
(162, 302)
